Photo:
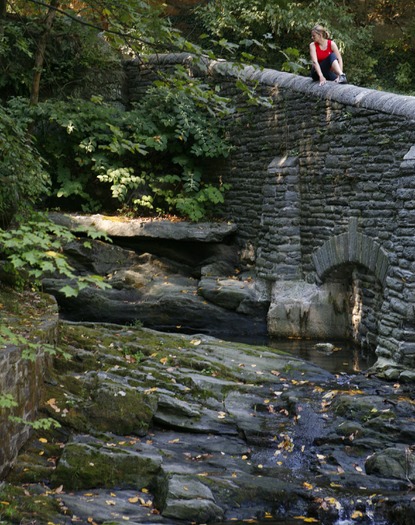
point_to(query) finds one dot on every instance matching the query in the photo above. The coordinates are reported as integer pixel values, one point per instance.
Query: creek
(180, 429)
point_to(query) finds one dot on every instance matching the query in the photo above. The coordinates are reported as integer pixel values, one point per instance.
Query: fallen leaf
(110, 502)
(177, 440)
(333, 502)
(52, 403)
(307, 485)
(43, 440)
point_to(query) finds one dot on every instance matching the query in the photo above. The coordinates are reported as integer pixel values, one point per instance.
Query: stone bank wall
(323, 187)
(23, 380)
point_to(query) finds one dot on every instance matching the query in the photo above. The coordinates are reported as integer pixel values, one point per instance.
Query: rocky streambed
(159, 428)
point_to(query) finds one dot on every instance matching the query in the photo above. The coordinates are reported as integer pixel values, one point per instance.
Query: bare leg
(336, 68)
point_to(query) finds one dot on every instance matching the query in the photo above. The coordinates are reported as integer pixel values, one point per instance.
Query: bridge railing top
(348, 94)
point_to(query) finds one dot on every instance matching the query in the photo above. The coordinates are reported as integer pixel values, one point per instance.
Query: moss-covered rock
(393, 462)
(85, 465)
(117, 408)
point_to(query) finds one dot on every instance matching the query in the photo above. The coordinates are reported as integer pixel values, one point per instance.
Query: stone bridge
(323, 193)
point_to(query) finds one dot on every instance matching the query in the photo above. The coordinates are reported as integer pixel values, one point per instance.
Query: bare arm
(313, 55)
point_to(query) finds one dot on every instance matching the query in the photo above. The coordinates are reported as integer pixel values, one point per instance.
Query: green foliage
(31, 349)
(7, 401)
(150, 158)
(44, 423)
(404, 75)
(33, 250)
(294, 63)
(23, 178)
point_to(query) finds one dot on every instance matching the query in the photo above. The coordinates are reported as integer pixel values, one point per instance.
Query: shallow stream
(335, 356)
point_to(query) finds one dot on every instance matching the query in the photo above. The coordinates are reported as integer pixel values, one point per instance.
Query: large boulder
(300, 309)
(160, 292)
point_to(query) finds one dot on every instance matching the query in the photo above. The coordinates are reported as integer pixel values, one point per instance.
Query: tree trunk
(3, 8)
(40, 52)
(3, 13)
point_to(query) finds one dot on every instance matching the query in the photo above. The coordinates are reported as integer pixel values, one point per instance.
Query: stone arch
(351, 247)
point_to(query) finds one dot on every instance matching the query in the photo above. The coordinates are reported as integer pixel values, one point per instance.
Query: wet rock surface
(159, 428)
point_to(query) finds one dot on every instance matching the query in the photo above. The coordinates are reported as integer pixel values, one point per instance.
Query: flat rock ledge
(155, 229)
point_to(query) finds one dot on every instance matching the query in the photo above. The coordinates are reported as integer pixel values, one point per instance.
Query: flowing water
(339, 357)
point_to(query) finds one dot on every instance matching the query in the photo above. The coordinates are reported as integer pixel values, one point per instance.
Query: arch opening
(363, 301)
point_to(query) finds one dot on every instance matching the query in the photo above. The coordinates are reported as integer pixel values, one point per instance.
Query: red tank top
(322, 54)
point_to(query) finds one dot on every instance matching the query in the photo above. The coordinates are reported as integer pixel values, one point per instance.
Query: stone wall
(320, 163)
(23, 380)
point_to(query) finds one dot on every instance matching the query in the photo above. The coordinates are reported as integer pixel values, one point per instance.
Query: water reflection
(334, 356)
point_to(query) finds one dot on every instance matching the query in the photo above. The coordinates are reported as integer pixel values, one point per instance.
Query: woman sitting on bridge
(326, 58)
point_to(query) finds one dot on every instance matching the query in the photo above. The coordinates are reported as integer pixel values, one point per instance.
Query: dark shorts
(325, 66)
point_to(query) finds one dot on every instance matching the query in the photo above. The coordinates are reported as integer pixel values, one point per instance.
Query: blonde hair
(320, 30)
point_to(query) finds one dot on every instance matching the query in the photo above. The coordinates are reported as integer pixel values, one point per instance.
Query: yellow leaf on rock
(307, 486)
(177, 440)
(151, 390)
(356, 515)
(43, 440)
